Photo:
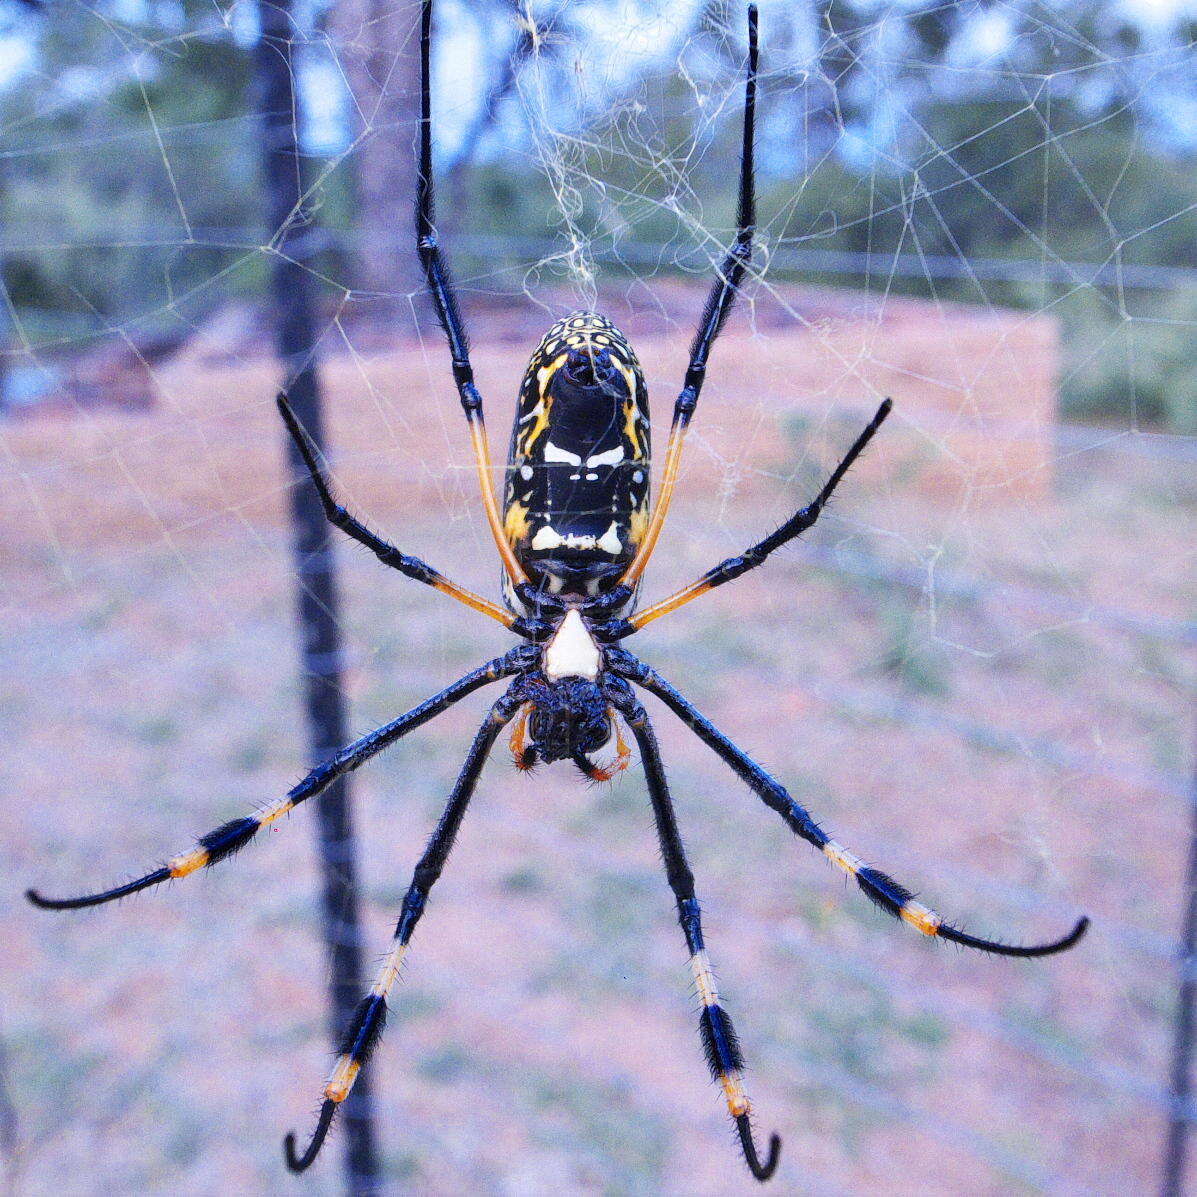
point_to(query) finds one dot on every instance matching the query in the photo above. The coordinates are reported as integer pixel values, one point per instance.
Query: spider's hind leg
(890, 895)
(365, 1028)
(232, 836)
(718, 1035)
(722, 295)
(444, 298)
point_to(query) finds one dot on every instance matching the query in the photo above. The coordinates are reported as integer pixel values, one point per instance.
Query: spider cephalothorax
(574, 538)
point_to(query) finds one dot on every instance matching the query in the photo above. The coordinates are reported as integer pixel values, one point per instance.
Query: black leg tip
(294, 1163)
(288, 413)
(1069, 941)
(887, 405)
(44, 903)
(301, 1163)
(955, 935)
(761, 1172)
(774, 1158)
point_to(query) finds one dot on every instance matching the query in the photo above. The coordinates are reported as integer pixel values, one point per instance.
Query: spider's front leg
(722, 295)
(718, 1035)
(444, 299)
(365, 1030)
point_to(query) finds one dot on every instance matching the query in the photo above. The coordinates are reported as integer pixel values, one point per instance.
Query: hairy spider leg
(799, 522)
(890, 895)
(232, 836)
(365, 1028)
(386, 552)
(719, 303)
(440, 287)
(718, 1035)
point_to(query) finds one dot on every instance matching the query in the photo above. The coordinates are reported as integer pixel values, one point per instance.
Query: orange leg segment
(519, 737)
(673, 459)
(481, 448)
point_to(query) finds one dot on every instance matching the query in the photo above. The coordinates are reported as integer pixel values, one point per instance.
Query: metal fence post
(317, 598)
(1181, 1080)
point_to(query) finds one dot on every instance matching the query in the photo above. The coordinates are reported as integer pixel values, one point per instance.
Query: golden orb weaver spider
(574, 536)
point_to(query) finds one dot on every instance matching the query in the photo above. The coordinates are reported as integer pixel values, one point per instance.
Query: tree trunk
(379, 48)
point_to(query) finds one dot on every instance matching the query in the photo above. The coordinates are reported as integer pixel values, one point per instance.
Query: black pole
(317, 603)
(1181, 1087)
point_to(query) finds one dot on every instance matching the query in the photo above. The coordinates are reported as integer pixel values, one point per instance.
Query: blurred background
(977, 671)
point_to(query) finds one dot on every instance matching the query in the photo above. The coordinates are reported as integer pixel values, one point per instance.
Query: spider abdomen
(576, 497)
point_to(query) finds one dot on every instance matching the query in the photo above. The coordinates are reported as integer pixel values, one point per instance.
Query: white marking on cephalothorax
(526, 472)
(572, 651)
(610, 457)
(590, 477)
(638, 477)
(552, 453)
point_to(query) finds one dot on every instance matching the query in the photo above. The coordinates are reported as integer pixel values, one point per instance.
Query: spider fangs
(575, 534)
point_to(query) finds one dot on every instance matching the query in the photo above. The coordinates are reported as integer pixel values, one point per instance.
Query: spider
(574, 536)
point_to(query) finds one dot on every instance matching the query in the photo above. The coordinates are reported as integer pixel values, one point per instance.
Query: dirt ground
(972, 680)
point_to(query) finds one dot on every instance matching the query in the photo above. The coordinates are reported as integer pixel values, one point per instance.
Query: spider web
(976, 671)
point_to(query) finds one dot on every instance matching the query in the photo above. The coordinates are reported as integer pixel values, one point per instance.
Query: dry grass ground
(544, 1039)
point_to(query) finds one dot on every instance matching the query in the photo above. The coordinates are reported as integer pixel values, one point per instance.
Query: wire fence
(1168, 1097)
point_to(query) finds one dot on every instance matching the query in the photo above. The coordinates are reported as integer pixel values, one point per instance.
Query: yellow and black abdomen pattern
(576, 498)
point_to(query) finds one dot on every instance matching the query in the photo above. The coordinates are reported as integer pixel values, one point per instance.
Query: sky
(618, 44)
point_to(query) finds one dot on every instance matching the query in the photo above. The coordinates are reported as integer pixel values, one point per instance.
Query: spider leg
(890, 895)
(623, 755)
(232, 836)
(365, 1028)
(440, 288)
(719, 303)
(386, 552)
(718, 1034)
(799, 522)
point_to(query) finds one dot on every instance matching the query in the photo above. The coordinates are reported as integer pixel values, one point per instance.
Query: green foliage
(909, 654)
(126, 143)
(1141, 368)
